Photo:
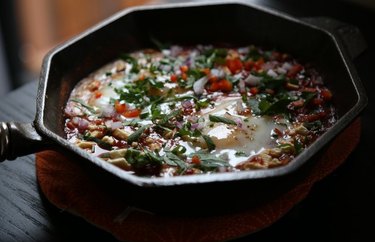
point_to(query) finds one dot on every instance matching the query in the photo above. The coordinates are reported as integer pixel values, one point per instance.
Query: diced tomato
(254, 90)
(225, 85)
(312, 117)
(195, 160)
(213, 79)
(248, 65)
(222, 85)
(234, 65)
(141, 77)
(173, 78)
(308, 89)
(184, 68)
(133, 113)
(298, 103)
(317, 101)
(215, 86)
(258, 64)
(206, 71)
(70, 125)
(189, 172)
(294, 70)
(326, 94)
(120, 107)
(98, 94)
(184, 76)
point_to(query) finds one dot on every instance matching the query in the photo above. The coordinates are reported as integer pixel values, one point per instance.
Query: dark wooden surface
(339, 208)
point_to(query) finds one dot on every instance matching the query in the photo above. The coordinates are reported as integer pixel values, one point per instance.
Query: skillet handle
(19, 139)
(349, 35)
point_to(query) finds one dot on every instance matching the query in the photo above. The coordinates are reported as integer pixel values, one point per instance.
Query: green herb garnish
(219, 119)
(89, 108)
(240, 153)
(137, 134)
(131, 60)
(210, 144)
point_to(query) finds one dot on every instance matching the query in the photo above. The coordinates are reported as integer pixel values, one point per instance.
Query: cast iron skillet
(329, 44)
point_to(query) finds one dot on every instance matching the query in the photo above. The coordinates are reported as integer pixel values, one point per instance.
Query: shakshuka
(187, 110)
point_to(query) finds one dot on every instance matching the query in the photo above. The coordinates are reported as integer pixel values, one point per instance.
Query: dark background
(339, 208)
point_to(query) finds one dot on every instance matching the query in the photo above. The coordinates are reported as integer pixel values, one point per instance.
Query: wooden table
(342, 206)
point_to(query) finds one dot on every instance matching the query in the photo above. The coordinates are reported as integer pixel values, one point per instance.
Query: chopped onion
(198, 86)
(194, 126)
(166, 52)
(219, 73)
(75, 120)
(269, 65)
(281, 70)
(116, 125)
(239, 107)
(175, 50)
(179, 125)
(108, 111)
(252, 80)
(239, 122)
(241, 86)
(166, 68)
(83, 124)
(243, 50)
(187, 104)
(272, 73)
(286, 66)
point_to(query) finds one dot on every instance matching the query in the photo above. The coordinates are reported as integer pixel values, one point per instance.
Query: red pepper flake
(93, 86)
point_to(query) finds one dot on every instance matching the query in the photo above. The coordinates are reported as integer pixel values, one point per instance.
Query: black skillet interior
(232, 23)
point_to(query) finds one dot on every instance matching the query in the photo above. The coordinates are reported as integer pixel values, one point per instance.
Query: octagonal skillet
(329, 44)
